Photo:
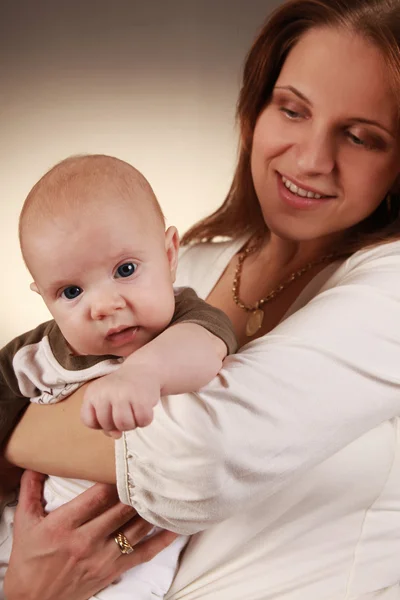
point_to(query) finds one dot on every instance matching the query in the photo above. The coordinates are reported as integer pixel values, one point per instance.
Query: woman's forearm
(52, 440)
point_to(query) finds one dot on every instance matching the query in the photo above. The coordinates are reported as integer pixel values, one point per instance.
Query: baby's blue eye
(71, 292)
(126, 270)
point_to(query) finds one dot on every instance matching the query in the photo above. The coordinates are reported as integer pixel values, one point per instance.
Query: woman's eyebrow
(294, 91)
(360, 120)
(374, 123)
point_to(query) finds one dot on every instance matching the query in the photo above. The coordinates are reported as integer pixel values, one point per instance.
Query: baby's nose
(105, 305)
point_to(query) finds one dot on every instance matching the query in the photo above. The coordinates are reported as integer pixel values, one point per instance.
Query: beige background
(152, 82)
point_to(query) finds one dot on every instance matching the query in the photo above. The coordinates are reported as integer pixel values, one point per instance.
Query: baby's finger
(143, 415)
(88, 415)
(113, 434)
(123, 416)
(104, 416)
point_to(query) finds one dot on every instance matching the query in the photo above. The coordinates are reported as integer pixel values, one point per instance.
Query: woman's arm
(51, 439)
(289, 400)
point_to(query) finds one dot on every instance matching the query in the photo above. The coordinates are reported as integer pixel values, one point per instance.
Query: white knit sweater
(290, 458)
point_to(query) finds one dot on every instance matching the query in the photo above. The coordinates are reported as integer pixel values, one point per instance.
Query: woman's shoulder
(376, 267)
(379, 252)
(200, 263)
(377, 263)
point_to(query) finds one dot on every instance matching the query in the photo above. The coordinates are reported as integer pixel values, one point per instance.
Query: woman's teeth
(295, 189)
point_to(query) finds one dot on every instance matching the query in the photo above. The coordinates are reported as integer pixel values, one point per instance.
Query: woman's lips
(296, 201)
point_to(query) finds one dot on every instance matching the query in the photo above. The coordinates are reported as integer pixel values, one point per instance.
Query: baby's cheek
(159, 311)
(77, 335)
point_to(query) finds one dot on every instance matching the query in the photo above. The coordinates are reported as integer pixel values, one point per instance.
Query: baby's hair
(74, 185)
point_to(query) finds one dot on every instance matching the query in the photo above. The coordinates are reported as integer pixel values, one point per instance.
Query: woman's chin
(292, 231)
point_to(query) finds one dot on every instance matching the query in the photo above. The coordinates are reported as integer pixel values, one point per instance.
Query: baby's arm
(184, 358)
(14, 389)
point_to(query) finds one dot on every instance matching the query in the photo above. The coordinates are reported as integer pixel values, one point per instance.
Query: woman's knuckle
(148, 555)
(127, 511)
(147, 552)
(103, 495)
(80, 549)
(144, 528)
(100, 572)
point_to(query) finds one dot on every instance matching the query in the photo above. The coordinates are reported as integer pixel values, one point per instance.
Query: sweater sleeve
(283, 404)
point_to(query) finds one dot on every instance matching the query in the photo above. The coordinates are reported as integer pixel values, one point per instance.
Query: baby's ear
(172, 249)
(34, 287)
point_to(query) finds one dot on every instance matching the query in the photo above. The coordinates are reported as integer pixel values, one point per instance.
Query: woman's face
(326, 148)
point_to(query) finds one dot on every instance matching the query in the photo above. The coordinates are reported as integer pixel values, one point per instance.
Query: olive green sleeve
(12, 401)
(189, 308)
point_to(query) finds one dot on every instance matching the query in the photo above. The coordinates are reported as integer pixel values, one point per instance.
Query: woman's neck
(290, 255)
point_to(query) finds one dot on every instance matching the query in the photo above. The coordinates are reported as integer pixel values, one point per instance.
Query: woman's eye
(71, 292)
(126, 270)
(356, 140)
(291, 114)
(371, 143)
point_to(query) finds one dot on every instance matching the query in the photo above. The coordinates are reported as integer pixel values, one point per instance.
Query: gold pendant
(254, 322)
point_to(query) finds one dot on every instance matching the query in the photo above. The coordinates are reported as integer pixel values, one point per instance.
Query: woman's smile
(298, 197)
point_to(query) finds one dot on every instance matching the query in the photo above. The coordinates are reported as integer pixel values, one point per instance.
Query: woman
(290, 459)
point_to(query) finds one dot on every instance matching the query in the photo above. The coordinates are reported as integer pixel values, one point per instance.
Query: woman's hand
(71, 553)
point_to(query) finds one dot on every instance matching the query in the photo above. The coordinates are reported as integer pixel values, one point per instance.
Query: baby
(93, 237)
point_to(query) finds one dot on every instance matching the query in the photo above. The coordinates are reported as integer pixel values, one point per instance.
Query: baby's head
(93, 237)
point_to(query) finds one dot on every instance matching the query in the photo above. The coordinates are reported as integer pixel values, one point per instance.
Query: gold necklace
(256, 316)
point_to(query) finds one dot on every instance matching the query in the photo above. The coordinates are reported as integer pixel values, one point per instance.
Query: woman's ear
(34, 287)
(172, 249)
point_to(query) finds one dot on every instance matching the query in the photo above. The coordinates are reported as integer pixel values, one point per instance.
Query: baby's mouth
(121, 335)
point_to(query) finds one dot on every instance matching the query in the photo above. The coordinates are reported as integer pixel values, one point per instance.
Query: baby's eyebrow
(59, 284)
(128, 253)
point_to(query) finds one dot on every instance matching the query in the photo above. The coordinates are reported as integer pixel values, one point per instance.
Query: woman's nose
(316, 154)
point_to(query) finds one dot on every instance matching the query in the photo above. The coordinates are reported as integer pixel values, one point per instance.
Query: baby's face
(106, 278)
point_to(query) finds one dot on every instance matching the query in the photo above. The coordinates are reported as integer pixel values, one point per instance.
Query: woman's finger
(30, 503)
(87, 506)
(145, 550)
(135, 530)
(106, 523)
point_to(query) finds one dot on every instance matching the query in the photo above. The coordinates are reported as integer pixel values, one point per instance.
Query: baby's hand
(122, 400)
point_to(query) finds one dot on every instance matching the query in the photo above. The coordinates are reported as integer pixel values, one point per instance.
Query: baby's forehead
(80, 243)
(95, 211)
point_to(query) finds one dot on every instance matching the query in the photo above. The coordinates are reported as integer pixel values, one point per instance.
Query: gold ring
(124, 545)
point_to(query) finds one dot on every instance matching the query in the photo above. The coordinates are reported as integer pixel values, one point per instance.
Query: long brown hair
(376, 20)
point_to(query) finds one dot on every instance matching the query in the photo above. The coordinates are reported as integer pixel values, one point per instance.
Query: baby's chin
(108, 350)
(100, 352)
(91, 351)
(122, 346)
